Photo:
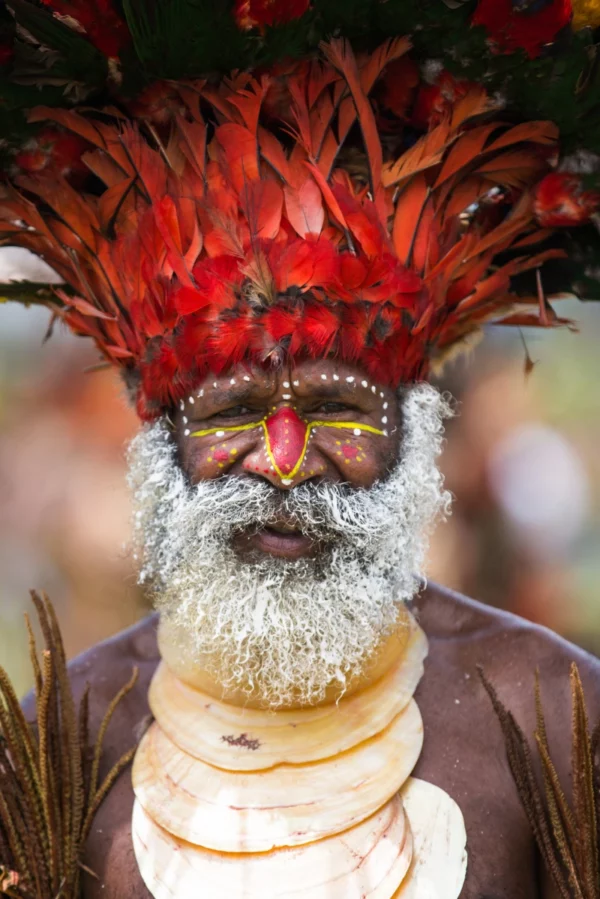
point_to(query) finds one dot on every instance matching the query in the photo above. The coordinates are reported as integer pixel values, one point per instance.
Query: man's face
(285, 522)
(313, 422)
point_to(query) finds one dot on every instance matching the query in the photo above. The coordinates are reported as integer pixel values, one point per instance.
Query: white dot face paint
(186, 432)
(181, 405)
(287, 396)
(201, 394)
(384, 420)
(336, 377)
(286, 384)
(357, 432)
(350, 380)
(286, 481)
(385, 405)
(381, 394)
(232, 381)
(373, 389)
(296, 383)
(192, 400)
(185, 420)
(220, 434)
(323, 377)
(364, 383)
(214, 384)
(246, 378)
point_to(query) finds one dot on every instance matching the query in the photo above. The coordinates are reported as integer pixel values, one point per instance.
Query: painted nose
(286, 437)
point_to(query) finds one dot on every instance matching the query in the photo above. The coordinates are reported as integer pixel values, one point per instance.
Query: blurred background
(521, 459)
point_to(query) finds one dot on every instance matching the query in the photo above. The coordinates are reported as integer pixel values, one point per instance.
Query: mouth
(278, 539)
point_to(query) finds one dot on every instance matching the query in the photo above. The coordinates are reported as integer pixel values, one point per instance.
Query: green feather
(85, 62)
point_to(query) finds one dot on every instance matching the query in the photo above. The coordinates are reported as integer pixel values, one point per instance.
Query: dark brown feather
(47, 796)
(566, 833)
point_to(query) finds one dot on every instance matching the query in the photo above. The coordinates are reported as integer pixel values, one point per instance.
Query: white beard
(282, 629)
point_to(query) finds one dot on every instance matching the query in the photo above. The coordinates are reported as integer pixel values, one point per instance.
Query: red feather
(240, 154)
(202, 254)
(304, 208)
(319, 328)
(262, 203)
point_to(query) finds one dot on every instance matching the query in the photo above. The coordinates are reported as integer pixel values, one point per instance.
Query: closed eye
(234, 412)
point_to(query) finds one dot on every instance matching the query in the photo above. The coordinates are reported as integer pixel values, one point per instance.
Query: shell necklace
(314, 803)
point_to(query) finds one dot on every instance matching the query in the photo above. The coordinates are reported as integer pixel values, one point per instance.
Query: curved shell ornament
(368, 861)
(244, 739)
(289, 805)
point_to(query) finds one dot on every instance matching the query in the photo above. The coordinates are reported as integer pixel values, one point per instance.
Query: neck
(314, 801)
(177, 652)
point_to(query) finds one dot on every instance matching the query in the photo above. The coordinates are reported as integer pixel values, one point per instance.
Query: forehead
(322, 377)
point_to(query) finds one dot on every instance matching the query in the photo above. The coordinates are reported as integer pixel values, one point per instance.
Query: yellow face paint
(287, 437)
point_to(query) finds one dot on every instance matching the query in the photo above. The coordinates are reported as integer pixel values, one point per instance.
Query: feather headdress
(299, 211)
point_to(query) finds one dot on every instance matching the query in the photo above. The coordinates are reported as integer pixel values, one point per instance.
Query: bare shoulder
(107, 667)
(464, 751)
(464, 634)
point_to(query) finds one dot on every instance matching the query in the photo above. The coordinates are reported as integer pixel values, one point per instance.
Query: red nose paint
(287, 440)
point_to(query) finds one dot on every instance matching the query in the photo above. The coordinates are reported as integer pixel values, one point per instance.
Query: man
(463, 751)
(277, 297)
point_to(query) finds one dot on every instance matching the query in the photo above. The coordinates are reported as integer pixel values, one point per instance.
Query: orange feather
(474, 103)
(72, 121)
(543, 133)
(248, 101)
(339, 54)
(516, 168)
(79, 216)
(111, 203)
(371, 69)
(409, 208)
(427, 152)
(465, 151)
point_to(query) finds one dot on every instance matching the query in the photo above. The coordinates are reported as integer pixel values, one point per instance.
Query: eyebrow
(321, 389)
(230, 394)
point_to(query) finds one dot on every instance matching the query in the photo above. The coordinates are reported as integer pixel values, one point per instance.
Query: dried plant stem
(49, 790)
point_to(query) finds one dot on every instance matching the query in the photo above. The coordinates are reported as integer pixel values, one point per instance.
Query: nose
(285, 456)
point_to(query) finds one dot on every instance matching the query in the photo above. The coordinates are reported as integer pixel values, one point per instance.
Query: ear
(131, 380)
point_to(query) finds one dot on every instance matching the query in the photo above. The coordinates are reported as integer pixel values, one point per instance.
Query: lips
(278, 539)
(287, 544)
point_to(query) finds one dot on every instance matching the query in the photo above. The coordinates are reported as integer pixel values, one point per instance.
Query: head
(282, 520)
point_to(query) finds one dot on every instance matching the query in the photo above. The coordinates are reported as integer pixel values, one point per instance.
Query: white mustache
(322, 511)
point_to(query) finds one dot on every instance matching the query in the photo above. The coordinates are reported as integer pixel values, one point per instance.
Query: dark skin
(316, 391)
(463, 751)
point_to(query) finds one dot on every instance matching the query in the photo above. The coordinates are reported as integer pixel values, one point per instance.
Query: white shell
(239, 811)
(439, 862)
(367, 862)
(243, 739)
